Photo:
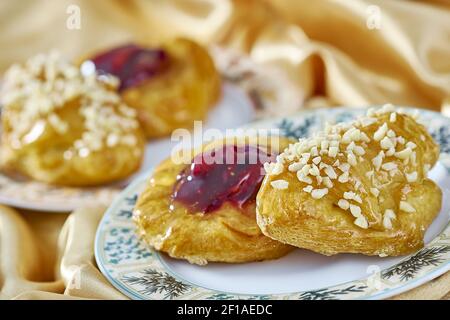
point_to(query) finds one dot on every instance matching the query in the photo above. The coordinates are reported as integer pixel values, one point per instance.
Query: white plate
(142, 273)
(43, 197)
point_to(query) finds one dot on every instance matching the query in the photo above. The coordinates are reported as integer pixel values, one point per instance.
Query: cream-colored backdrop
(336, 52)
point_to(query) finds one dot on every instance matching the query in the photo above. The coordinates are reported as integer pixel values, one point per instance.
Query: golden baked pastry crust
(324, 224)
(62, 128)
(181, 93)
(227, 234)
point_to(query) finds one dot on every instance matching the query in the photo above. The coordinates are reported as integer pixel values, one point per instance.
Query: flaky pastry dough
(359, 188)
(227, 234)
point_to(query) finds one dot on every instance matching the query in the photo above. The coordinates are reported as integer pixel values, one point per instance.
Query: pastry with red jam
(204, 210)
(170, 87)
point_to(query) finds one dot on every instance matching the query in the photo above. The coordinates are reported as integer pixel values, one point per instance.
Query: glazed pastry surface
(61, 127)
(184, 221)
(170, 87)
(358, 188)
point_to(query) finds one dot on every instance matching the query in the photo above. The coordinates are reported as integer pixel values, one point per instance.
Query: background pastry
(170, 87)
(205, 211)
(62, 127)
(360, 187)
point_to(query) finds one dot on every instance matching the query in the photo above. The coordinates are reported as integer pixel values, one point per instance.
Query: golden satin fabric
(332, 51)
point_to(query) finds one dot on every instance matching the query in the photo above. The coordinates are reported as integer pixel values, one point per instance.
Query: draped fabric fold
(332, 52)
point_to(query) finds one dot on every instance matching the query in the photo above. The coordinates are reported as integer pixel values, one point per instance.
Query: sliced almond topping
(317, 160)
(344, 167)
(268, 167)
(327, 182)
(378, 160)
(351, 159)
(351, 146)
(375, 192)
(391, 133)
(388, 166)
(381, 132)
(319, 193)
(387, 217)
(386, 143)
(355, 210)
(411, 145)
(371, 112)
(305, 169)
(350, 135)
(308, 189)
(280, 184)
(343, 204)
(329, 171)
(294, 167)
(411, 177)
(334, 143)
(404, 154)
(393, 117)
(390, 152)
(319, 180)
(306, 156)
(343, 178)
(413, 158)
(349, 195)
(364, 137)
(276, 168)
(406, 207)
(367, 121)
(303, 178)
(388, 107)
(361, 222)
(359, 150)
(314, 171)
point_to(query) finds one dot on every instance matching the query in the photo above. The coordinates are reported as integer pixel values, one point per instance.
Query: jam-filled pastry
(61, 127)
(204, 211)
(170, 87)
(360, 187)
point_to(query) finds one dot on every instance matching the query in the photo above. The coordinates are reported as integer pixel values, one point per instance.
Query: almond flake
(375, 192)
(411, 177)
(406, 207)
(279, 184)
(343, 204)
(381, 132)
(319, 193)
(351, 159)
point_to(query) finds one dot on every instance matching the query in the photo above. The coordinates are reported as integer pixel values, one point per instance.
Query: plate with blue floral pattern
(143, 273)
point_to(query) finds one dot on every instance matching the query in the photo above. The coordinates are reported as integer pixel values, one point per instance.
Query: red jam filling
(227, 174)
(131, 64)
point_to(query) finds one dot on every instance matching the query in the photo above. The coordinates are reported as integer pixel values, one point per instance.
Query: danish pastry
(205, 210)
(61, 127)
(169, 87)
(359, 187)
